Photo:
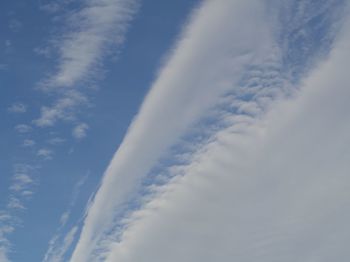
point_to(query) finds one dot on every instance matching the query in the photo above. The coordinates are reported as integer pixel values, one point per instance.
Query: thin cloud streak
(205, 64)
(59, 243)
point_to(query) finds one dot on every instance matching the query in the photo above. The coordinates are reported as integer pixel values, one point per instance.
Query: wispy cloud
(90, 33)
(87, 38)
(5, 229)
(17, 108)
(28, 143)
(57, 251)
(59, 243)
(65, 108)
(21, 182)
(206, 63)
(15, 203)
(21, 189)
(45, 153)
(56, 141)
(80, 131)
(23, 128)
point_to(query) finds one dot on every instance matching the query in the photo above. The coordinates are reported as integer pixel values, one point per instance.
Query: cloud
(15, 25)
(79, 131)
(56, 141)
(90, 33)
(65, 108)
(5, 229)
(45, 153)
(52, 7)
(21, 181)
(15, 203)
(3, 255)
(60, 243)
(57, 254)
(276, 189)
(28, 143)
(17, 108)
(206, 63)
(23, 128)
(20, 191)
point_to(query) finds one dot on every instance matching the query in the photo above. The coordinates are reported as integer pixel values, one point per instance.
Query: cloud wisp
(206, 63)
(90, 33)
(18, 108)
(21, 190)
(59, 243)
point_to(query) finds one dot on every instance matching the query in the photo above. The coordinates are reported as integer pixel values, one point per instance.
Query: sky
(188, 130)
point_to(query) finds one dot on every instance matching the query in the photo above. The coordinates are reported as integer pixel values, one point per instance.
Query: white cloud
(21, 181)
(3, 254)
(17, 108)
(277, 190)
(23, 128)
(222, 38)
(56, 253)
(45, 153)
(9, 220)
(56, 141)
(79, 131)
(28, 143)
(15, 203)
(90, 34)
(65, 108)
(58, 246)
(27, 193)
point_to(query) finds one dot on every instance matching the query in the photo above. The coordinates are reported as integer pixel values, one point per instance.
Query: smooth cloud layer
(205, 64)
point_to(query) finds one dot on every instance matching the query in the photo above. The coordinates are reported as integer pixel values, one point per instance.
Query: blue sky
(180, 130)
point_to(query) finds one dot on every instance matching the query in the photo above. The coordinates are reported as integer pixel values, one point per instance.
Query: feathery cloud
(90, 34)
(23, 128)
(80, 131)
(17, 108)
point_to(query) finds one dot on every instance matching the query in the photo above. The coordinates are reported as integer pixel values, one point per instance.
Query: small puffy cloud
(28, 143)
(45, 153)
(79, 132)
(23, 128)
(17, 108)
